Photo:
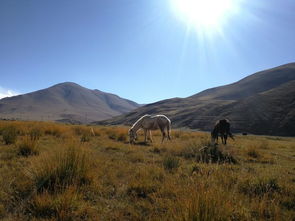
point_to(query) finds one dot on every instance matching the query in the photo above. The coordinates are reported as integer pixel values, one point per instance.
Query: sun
(208, 14)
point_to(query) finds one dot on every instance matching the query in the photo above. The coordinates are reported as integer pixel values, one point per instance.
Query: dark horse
(222, 128)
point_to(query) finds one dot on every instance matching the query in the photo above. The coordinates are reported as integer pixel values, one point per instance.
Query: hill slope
(67, 102)
(262, 103)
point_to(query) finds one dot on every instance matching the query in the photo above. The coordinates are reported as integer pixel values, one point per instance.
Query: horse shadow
(142, 143)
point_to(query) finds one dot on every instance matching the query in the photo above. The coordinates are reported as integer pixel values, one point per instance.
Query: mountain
(66, 102)
(262, 103)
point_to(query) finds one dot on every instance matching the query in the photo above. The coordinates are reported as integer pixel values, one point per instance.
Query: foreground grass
(57, 172)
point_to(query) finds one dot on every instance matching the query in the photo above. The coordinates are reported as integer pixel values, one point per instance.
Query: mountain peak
(66, 102)
(67, 84)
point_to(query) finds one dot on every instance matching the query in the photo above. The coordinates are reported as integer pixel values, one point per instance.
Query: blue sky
(138, 49)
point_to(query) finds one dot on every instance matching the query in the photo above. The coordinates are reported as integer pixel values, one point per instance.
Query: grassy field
(52, 171)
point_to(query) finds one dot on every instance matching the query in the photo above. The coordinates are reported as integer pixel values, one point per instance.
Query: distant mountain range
(262, 103)
(65, 102)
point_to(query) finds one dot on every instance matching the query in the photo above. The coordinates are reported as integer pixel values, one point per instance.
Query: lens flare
(204, 13)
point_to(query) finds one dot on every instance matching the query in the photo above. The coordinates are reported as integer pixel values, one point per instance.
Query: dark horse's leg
(225, 138)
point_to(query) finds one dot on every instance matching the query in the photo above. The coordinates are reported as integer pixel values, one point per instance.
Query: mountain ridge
(258, 103)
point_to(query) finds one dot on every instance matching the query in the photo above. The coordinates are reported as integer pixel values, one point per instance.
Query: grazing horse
(222, 128)
(148, 123)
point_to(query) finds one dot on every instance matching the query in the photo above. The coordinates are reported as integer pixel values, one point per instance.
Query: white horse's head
(132, 136)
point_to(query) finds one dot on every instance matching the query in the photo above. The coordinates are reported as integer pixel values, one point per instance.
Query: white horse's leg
(145, 135)
(150, 132)
(168, 133)
(163, 134)
(222, 139)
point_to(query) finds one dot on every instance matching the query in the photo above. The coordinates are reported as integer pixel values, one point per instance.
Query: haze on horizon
(141, 50)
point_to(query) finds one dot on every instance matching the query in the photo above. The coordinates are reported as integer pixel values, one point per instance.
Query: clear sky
(143, 50)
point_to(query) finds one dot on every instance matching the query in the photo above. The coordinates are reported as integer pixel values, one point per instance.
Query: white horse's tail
(169, 129)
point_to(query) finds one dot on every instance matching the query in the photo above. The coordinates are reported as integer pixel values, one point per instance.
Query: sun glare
(204, 13)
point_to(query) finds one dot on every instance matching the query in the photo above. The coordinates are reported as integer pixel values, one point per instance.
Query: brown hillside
(262, 103)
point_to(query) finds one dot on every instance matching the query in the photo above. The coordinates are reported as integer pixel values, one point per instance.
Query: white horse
(148, 123)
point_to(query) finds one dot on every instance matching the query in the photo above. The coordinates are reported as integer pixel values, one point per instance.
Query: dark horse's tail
(214, 133)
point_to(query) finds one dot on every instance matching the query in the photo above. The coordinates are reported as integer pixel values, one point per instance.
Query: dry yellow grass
(93, 173)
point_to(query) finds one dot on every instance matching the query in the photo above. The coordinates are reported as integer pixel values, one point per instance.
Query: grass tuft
(35, 134)
(259, 187)
(171, 163)
(141, 190)
(205, 205)
(9, 135)
(61, 206)
(27, 147)
(85, 138)
(251, 152)
(62, 169)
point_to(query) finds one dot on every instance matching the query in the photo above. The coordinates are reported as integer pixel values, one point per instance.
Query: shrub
(27, 147)
(170, 163)
(211, 154)
(85, 138)
(9, 135)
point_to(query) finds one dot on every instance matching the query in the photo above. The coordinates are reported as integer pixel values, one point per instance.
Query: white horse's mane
(140, 119)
